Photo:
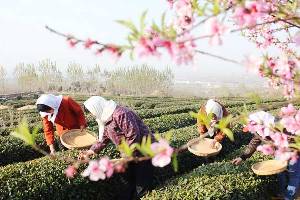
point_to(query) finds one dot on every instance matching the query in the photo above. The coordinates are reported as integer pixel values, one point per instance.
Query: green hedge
(44, 178)
(13, 150)
(188, 161)
(162, 123)
(157, 112)
(167, 122)
(220, 180)
(11, 146)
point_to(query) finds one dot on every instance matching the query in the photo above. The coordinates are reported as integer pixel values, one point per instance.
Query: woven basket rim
(69, 146)
(202, 154)
(282, 165)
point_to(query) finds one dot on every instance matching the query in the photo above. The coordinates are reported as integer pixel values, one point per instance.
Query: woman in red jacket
(63, 112)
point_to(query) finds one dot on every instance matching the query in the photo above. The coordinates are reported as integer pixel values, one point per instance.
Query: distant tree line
(47, 76)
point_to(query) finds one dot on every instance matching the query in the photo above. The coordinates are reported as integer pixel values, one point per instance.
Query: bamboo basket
(75, 139)
(269, 167)
(202, 147)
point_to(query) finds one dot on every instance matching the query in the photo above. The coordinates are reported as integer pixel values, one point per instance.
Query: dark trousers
(289, 181)
(138, 180)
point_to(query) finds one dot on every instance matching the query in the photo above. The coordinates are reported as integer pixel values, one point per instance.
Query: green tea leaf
(256, 98)
(168, 135)
(163, 24)
(22, 132)
(145, 146)
(216, 7)
(228, 133)
(124, 147)
(155, 27)
(224, 122)
(175, 162)
(202, 118)
(296, 146)
(129, 25)
(297, 140)
(142, 22)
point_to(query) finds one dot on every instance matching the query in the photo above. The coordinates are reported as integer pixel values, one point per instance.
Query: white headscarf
(101, 109)
(215, 108)
(51, 101)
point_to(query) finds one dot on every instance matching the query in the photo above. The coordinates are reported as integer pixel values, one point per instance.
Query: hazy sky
(23, 37)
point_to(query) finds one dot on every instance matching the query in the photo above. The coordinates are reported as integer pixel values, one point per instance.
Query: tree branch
(219, 57)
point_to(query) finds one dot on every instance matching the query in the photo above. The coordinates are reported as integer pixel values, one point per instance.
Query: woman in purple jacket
(117, 122)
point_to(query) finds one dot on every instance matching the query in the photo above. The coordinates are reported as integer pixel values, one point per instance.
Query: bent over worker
(63, 112)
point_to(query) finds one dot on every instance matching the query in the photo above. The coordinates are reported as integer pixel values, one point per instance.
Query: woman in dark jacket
(117, 122)
(289, 181)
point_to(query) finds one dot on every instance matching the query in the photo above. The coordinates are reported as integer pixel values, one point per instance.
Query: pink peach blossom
(291, 123)
(288, 111)
(71, 171)
(184, 50)
(216, 29)
(262, 117)
(89, 43)
(296, 39)
(251, 13)
(286, 155)
(106, 166)
(94, 171)
(163, 153)
(261, 123)
(184, 15)
(146, 47)
(253, 64)
(171, 3)
(72, 42)
(280, 140)
(266, 149)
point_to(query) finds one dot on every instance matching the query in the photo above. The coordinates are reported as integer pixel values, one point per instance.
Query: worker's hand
(211, 132)
(82, 128)
(213, 144)
(237, 161)
(52, 149)
(84, 155)
(213, 123)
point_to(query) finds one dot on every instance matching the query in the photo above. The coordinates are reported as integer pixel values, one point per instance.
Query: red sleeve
(78, 111)
(201, 128)
(48, 131)
(219, 136)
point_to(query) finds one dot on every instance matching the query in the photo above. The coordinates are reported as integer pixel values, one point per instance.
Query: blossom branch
(203, 21)
(288, 22)
(71, 37)
(245, 28)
